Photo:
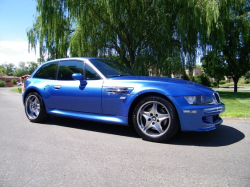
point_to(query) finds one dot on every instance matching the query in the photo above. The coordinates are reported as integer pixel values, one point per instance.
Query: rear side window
(69, 67)
(47, 71)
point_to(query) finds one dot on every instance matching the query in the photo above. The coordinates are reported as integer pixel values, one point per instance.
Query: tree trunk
(127, 63)
(235, 79)
(132, 58)
(218, 82)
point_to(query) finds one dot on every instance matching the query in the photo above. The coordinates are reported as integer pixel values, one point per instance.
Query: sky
(16, 17)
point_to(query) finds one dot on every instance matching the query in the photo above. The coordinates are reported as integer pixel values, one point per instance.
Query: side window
(68, 67)
(90, 74)
(47, 71)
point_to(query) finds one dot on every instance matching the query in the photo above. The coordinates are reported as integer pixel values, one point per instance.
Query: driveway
(69, 152)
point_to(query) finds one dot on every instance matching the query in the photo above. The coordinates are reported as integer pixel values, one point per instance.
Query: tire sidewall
(42, 114)
(173, 126)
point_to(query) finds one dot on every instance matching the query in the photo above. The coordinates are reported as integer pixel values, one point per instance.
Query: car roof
(74, 58)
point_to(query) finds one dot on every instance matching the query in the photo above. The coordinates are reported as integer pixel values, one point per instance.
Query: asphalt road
(68, 152)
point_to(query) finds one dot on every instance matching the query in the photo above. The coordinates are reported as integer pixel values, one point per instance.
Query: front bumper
(205, 119)
(199, 118)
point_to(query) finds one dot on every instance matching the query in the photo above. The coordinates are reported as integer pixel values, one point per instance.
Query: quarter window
(69, 67)
(47, 71)
(90, 74)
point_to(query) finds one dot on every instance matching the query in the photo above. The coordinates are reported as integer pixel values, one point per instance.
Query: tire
(155, 119)
(34, 108)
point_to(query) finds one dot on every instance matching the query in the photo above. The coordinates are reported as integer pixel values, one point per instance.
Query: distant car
(19, 83)
(102, 90)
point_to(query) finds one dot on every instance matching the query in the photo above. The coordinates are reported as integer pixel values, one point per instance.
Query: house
(7, 79)
(196, 71)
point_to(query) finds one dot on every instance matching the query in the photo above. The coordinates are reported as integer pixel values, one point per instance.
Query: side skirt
(120, 120)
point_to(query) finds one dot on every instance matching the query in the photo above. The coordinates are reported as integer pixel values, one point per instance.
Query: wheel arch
(27, 92)
(35, 111)
(141, 96)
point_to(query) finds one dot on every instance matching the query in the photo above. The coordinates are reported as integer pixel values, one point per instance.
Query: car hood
(162, 80)
(185, 86)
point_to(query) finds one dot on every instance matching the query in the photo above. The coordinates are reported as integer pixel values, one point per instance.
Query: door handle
(57, 87)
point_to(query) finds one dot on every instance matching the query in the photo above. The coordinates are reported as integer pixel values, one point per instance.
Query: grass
(16, 90)
(241, 82)
(237, 104)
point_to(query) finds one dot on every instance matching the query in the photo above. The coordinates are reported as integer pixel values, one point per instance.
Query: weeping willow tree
(230, 41)
(159, 34)
(214, 65)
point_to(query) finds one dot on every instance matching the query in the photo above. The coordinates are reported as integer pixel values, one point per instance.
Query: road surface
(69, 152)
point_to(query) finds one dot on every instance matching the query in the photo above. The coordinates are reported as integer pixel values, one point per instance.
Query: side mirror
(79, 76)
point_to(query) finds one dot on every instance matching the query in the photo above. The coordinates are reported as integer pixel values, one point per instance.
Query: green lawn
(237, 104)
(16, 90)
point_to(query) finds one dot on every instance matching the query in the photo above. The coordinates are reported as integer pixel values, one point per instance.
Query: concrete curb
(246, 120)
(240, 88)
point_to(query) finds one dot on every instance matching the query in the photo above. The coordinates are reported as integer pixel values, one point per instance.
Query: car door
(70, 95)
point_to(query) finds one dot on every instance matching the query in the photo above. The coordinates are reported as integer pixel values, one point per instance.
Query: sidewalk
(231, 88)
(246, 120)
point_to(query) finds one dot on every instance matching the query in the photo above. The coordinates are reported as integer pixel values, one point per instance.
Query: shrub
(202, 79)
(214, 85)
(185, 77)
(247, 75)
(14, 81)
(19, 90)
(197, 79)
(247, 81)
(2, 84)
(205, 80)
(241, 80)
(222, 82)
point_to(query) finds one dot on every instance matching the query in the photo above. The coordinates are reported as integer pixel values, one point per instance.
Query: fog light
(190, 111)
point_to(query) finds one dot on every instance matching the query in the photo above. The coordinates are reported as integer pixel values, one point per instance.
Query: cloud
(15, 52)
(18, 46)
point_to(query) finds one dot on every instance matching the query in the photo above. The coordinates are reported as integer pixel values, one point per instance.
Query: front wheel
(155, 119)
(34, 108)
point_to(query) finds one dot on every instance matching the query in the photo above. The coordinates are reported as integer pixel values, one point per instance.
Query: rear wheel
(34, 108)
(155, 119)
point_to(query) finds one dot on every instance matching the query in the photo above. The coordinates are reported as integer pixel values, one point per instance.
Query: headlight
(199, 100)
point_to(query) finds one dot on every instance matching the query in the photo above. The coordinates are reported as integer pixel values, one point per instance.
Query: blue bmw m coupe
(103, 90)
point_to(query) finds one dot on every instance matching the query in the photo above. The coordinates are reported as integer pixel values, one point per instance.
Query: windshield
(111, 68)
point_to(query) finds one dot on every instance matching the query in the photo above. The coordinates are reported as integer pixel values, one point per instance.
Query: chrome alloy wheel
(153, 118)
(32, 107)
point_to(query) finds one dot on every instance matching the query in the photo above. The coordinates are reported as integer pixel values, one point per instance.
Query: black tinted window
(110, 68)
(47, 71)
(67, 68)
(90, 74)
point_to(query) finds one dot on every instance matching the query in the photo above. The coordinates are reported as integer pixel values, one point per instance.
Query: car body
(102, 90)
